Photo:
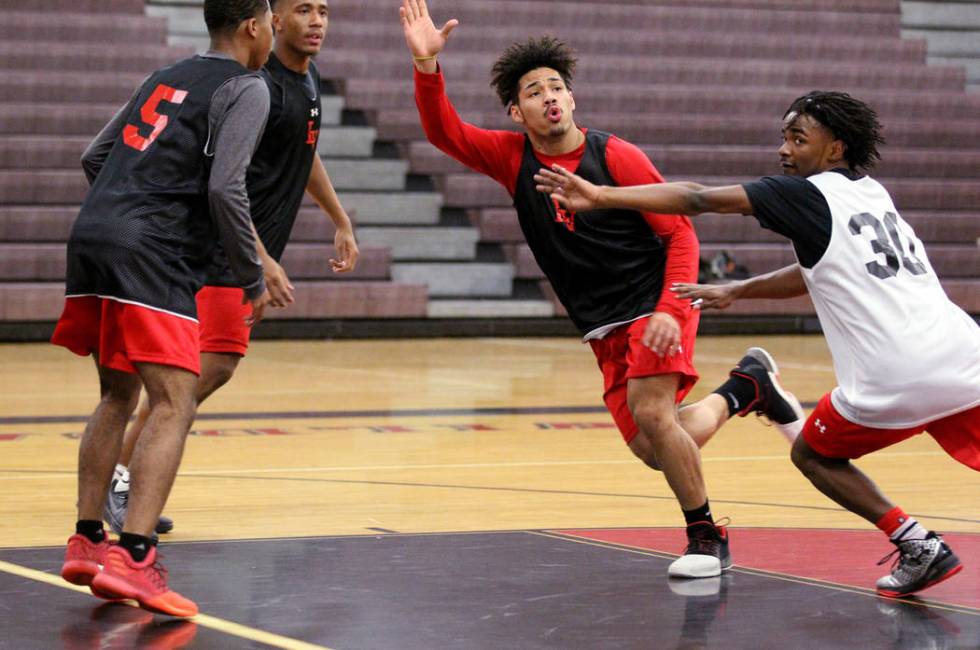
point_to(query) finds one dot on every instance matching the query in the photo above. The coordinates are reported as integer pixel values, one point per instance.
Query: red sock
(892, 520)
(900, 527)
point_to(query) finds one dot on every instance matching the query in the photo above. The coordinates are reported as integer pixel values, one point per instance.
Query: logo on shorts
(820, 425)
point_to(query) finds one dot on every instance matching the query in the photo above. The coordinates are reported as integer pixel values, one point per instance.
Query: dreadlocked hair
(849, 120)
(520, 58)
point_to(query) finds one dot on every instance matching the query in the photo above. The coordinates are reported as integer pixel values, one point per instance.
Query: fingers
(257, 314)
(554, 177)
(561, 199)
(415, 10)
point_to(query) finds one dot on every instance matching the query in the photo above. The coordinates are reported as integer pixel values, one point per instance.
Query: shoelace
(708, 544)
(912, 559)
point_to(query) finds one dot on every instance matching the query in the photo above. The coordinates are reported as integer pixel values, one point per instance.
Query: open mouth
(553, 114)
(314, 38)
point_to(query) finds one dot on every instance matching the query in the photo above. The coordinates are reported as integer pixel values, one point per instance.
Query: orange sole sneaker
(144, 582)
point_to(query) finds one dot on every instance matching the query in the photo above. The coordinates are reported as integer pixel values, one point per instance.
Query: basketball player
(907, 359)
(611, 269)
(286, 155)
(166, 172)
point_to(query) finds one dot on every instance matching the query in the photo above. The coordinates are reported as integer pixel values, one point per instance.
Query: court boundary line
(786, 577)
(366, 413)
(218, 624)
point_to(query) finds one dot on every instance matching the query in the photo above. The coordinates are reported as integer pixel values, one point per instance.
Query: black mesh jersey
(281, 165)
(144, 232)
(606, 266)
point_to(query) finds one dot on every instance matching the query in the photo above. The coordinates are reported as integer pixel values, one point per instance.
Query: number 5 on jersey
(149, 115)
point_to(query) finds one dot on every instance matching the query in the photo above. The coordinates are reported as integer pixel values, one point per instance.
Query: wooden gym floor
(468, 493)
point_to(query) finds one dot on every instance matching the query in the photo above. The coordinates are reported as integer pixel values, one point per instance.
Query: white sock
(119, 471)
(911, 529)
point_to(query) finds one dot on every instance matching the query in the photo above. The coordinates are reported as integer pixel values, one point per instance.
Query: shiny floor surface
(468, 493)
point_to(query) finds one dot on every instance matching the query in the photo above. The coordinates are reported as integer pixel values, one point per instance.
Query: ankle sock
(900, 527)
(738, 392)
(91, 529)
(698, 514)
(136, 545)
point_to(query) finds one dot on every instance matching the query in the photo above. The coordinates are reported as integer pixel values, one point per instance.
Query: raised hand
(570, 190)
(421, 35)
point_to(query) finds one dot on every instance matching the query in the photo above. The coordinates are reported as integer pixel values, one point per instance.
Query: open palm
(421, 35)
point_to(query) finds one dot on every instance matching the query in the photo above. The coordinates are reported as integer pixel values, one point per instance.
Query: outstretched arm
(494, 153)
(786, 282)
(577, 194)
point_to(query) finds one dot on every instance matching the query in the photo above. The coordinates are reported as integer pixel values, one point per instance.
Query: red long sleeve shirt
(498, 155)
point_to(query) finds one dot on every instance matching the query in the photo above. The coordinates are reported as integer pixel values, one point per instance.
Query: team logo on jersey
(311, 133)
(563, 216)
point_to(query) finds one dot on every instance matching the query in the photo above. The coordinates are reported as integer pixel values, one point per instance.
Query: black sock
(698, 514)
(91, 529)
(137, 545)
(739, 392)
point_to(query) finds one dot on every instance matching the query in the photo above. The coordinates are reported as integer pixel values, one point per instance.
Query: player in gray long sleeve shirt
(168, 180)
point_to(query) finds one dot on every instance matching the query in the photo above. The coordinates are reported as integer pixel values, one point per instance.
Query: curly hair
(849, 120)
(224, 16)
(520, 58)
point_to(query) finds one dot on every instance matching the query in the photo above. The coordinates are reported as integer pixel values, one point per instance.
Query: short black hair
(223, 16)
(849, 120)
(520, 58)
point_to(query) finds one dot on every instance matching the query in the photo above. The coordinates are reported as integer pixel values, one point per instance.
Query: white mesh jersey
(904, 354)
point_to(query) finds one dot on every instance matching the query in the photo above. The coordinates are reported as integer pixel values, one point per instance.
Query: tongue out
(554, 114)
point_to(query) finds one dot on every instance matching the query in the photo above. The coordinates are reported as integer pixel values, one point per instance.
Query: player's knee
(654, 419)
(804, 458)
(214, 377)
(221, 376)
(125, 394)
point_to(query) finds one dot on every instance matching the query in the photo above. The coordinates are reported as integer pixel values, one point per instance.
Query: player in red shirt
(611, 269)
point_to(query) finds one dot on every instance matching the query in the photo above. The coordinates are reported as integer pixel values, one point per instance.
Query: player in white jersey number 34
(907, 359)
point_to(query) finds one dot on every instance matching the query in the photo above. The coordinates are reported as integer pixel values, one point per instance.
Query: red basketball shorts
(833, 436)
(622, 356)
(222, 317)
(120, 334)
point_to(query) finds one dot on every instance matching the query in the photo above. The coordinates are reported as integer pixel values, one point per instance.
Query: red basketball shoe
(145, 582)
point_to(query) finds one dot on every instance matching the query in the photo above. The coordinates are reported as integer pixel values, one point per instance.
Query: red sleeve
(494, 153)
(628, 165)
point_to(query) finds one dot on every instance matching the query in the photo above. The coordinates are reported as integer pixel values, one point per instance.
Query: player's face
(261, 43)
(808, 147)
(544, 104)
(301, 25)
